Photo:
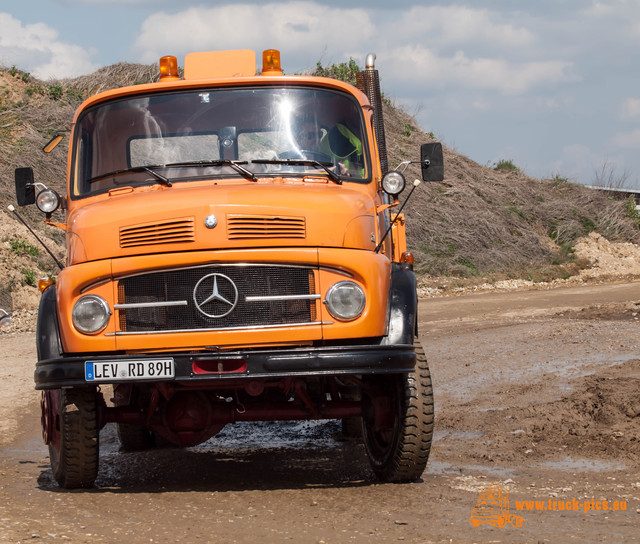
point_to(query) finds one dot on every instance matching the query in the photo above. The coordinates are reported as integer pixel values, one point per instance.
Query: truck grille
(217, 297)
(264, 226)
(162, 232)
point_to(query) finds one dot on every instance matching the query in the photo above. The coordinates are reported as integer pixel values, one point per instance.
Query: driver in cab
(339, 143)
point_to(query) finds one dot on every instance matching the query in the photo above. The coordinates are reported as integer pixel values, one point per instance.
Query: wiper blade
(147, 169)
(303, 162)
(236, 165)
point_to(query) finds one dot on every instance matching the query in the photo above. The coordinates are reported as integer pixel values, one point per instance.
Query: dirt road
(536, 393)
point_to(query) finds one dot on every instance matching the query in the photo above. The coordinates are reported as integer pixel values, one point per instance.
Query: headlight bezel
(336, 307)
(102, 320)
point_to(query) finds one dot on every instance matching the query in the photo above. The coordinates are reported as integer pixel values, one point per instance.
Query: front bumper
(335, 360)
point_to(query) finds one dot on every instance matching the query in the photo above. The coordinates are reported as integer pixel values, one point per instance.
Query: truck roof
(221, 69)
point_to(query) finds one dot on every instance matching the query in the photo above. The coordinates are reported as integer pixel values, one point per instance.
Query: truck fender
(48, 341)
(403, 306)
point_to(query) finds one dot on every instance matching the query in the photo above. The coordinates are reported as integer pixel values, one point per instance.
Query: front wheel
(70, 429)
(397, 423)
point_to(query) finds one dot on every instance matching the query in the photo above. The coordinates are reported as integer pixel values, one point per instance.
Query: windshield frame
(217, 173)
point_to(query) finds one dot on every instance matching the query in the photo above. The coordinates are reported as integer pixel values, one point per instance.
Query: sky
(552, 85)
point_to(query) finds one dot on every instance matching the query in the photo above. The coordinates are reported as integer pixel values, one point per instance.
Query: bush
(55, 92)
(506, 166)
(344, 71)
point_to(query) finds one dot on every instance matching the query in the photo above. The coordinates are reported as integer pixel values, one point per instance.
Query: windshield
(198, 134)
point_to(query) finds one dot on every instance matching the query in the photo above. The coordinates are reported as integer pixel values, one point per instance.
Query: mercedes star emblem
(215, 295)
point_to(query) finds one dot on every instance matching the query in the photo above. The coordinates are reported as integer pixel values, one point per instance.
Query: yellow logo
(492, 508)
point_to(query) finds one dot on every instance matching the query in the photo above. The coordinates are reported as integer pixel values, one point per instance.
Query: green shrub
(22, 247)
(632, 210)
(506, 166)
(344, 71)
(55, 92)
(407, 129)
(28, 277)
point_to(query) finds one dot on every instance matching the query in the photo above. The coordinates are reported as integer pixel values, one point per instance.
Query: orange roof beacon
(234, 253)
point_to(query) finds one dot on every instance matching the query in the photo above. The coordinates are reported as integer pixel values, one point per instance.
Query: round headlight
(90, 314)
(393, 183)
(345, 300)
(48, 201)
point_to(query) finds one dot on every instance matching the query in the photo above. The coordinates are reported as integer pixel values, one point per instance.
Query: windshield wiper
(147, 169)
(303, 162)
(231, 164)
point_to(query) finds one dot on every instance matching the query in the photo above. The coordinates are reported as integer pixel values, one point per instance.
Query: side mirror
(433, 170)
(25, 188)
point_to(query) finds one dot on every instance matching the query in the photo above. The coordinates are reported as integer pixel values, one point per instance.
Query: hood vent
(241, 227)
(171, 231)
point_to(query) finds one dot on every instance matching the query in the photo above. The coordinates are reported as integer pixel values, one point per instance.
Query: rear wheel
(352, 426)
(398, 422)
(132, 437)
(70, 429)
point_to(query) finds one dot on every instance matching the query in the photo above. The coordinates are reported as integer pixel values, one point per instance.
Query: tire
(398, 447)
(352, 426)
(70, 425)
(134, 437)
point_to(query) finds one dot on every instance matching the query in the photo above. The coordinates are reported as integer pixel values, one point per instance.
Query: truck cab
(232, 255)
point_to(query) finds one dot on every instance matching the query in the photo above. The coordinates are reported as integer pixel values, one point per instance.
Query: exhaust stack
(369, 83)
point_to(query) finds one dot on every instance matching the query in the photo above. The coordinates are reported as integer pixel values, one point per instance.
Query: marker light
(407, 257)
(43, 283)
(271, 63)
(51, 144)
(169, 69)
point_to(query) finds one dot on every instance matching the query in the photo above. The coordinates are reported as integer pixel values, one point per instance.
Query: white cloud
(631, 107)
(445, 25)
(629, 140)
(36, 48)
(508, 77)
(297, 27)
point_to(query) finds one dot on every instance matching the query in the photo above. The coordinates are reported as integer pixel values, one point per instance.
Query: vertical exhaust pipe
(369, 83)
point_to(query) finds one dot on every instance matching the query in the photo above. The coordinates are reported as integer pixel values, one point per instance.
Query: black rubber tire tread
(352, 426)
(76, 464)
(406, 457)
(134, 437)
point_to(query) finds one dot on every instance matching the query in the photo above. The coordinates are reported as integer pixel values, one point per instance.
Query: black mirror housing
(433, 170)
(25, 188)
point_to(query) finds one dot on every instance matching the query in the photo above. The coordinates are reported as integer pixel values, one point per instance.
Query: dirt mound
(599, 418)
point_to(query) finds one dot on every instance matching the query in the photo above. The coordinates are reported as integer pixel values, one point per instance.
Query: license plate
(142, 369)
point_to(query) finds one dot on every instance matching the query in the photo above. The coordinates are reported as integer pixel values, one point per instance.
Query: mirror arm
(415, 184)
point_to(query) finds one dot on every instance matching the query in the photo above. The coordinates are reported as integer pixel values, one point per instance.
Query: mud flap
(48, 341)
(403, 307)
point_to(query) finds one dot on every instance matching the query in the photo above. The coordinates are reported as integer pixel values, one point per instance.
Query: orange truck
(235, 252)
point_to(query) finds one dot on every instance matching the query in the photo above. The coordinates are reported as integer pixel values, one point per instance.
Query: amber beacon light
(169, 68)
(271, 63)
